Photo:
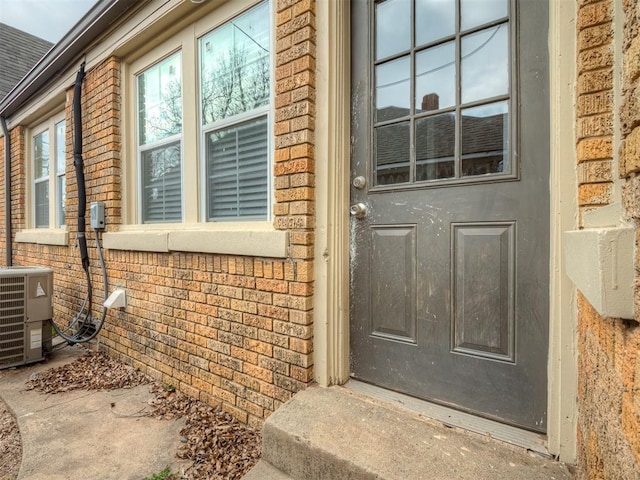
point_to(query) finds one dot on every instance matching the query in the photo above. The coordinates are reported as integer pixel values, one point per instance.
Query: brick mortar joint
(607, 136)
(591, 92)
(601, 46)
(596, 69)
(605, 183)
(594, 115)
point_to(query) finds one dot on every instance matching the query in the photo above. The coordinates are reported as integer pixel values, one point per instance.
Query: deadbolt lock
(359, 182)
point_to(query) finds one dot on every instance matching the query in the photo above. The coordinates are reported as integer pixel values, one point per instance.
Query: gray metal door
(450, 202)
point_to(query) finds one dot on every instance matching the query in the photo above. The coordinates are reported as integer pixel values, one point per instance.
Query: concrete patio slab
(87, 434)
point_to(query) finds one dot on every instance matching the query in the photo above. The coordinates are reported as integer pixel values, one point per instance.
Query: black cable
(79, 165)
(82, 328)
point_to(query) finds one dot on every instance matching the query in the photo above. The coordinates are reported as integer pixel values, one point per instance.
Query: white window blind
(161, 184)
(237, 176)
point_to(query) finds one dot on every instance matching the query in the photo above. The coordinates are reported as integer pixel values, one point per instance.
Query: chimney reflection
(431, 101)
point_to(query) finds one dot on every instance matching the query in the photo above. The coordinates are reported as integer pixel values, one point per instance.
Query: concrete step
(265, 471)
(335, 433)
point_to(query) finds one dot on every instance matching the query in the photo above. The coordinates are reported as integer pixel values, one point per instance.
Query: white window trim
(54, 234)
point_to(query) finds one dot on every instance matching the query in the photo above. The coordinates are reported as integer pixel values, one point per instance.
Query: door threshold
(450, 417)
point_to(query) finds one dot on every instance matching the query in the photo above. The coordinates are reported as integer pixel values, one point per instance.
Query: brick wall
(594, 98)
(608, 421)
(629, 163)
(608, 349)
(230, 330)
(18, 172)
(629, 167)
(18, 176)
(3, 250)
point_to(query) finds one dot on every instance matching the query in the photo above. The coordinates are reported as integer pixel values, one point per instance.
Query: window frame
(56, 196)
(61, 177)
(140, 149)
(194, 201)
(236, 120)
(41, 181)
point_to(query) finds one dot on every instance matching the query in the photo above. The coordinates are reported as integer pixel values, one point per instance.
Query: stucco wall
(230, 330)
(608, 349)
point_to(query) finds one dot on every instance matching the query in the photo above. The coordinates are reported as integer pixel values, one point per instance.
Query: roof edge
(95, 22)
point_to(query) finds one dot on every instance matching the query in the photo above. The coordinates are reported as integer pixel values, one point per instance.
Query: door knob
(358, 210)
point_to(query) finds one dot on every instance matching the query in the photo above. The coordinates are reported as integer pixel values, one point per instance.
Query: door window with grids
(442, 91)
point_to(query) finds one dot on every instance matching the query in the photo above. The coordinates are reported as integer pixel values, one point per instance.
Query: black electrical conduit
(7, 192)
(83, 327)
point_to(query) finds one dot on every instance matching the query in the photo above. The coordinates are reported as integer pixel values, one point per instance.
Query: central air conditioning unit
(26, 310)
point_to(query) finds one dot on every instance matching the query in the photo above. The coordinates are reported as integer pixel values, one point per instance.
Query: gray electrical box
(96, 211)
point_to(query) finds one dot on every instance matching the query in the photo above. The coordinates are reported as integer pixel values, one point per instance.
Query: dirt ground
(10, 445)
(216, 444)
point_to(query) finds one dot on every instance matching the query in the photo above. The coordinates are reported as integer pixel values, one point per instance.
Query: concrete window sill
(248, 239)
(44, 236)
(600, 263)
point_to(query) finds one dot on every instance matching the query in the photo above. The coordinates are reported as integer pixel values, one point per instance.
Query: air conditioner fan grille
(12, 326)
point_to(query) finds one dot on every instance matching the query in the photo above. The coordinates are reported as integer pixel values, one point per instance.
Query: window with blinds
(234, 95)
(237, 171)
(46, 167)
(61, 185)
(41, 156)
(203, 148)
(159, 90)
